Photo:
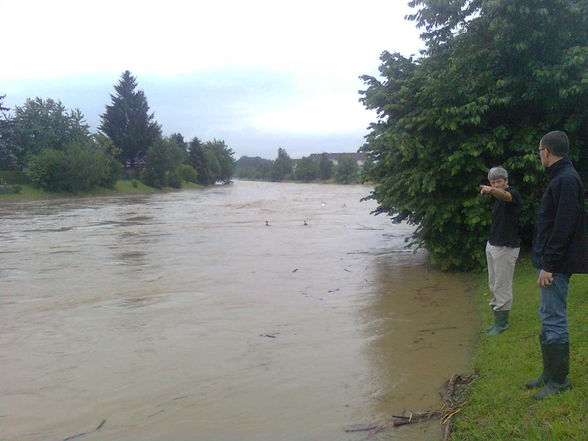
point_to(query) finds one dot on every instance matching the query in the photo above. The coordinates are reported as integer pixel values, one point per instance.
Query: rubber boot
(500, 323)
(558, 355)
(492, 325)
(544, 377)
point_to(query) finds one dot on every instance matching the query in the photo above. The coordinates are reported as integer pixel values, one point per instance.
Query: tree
(253, 168)
(306, 169)
(496, 75)
(46, 124)
(178, 138)
(127, 122)
(346, 171)
(162, 164)
(282, 166)
(200, 159)
(8, 151)
(224, 156)
(325, 167)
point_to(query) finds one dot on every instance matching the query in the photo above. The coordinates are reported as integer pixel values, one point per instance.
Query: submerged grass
(498, 407)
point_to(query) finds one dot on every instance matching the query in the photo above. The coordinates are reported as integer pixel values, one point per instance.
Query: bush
(188, 173)
(14, 177)
(174, 179)
(77, 168)
(346, 171)
(161, 164)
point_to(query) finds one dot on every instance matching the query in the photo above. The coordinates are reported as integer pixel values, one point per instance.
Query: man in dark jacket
(560, 249)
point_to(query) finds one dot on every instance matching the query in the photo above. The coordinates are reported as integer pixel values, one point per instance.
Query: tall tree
(346, 171)
(128, 123)
(8, 151)
(306, 169)
(46, 124)
(496, 75)
(325, 167)
(198, 159)
(282, 167)
(224, 156)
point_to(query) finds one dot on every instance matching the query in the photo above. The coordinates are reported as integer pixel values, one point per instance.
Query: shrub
(188, 173)
(77, 168)
(161, 164)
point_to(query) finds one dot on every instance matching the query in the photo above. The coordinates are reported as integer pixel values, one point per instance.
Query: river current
(216, 314)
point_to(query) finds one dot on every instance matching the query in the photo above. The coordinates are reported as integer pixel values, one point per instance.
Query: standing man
(502, 249)
(560, 249)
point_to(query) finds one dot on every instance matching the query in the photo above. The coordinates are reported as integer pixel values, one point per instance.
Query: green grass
(498, 407)
(29, 192)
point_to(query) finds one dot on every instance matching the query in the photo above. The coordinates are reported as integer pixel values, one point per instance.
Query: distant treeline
(306, 169)
(55, 148)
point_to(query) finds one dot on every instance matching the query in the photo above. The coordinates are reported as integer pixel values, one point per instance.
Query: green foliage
(162, 164)
(45, 124)
(495, 77)
(325, 167)
(8, 150)
(77, 168)
(282, 166)
(212, 160)
(14, 177)
(224, 156)
(253, 168)
(306, 170)
(6, 188)
(188, 173)
(346, 170)
(127, 122)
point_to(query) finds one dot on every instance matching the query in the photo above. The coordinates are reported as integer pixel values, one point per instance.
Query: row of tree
(58, 151)
(495, 76)
(305, 169)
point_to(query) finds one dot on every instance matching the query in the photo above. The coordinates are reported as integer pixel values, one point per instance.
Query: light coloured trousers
(501, 265)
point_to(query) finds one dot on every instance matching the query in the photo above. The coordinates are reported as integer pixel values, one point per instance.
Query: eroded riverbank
(183, 316)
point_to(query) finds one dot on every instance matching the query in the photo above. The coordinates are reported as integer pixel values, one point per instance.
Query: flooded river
(182, 316)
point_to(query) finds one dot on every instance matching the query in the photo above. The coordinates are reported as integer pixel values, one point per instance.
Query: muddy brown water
(182, 316)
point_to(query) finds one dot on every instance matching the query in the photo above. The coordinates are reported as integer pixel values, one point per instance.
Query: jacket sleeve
(568, 212)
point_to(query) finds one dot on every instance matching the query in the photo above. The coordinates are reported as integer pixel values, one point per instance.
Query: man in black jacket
(560, 249)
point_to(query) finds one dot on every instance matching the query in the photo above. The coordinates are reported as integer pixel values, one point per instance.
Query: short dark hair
(557, 142)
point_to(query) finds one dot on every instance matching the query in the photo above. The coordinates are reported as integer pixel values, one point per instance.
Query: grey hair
(497, 173)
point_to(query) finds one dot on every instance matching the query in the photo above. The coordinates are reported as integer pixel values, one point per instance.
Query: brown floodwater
(182, 316)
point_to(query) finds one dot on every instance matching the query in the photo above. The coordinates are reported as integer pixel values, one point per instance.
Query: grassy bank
(498, 406)
(121, 187)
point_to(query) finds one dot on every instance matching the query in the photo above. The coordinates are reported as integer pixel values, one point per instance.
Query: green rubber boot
(500, 323)
(558, 355)
(542, 379)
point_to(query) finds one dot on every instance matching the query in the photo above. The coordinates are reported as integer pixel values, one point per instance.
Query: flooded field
(183, 316)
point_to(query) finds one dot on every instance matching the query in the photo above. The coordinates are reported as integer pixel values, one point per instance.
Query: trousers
(501, 264)
(553, 312)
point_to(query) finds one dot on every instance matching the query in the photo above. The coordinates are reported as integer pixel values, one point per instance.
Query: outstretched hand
(485, 189)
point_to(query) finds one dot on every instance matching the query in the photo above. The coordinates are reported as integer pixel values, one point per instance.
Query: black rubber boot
(544, 377)
(500, 323)
(558, 355)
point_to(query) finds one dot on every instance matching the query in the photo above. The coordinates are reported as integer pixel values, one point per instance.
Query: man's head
(553, 146)
(498, 177)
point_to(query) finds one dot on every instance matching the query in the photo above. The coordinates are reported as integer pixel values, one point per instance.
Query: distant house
(334, 157)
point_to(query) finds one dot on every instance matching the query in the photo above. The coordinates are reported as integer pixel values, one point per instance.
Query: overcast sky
(258, 74)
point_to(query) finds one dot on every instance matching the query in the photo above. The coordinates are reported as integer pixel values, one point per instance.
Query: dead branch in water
(453, 399)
